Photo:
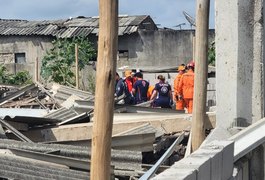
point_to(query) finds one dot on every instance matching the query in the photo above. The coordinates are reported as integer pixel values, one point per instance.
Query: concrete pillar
(256, 164)
(239, 61)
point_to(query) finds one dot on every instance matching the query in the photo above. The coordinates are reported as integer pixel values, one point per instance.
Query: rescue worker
(129, 80)
(121, 90)
(140, 88)
(186, 86)
(150, 91)
(179, 102)
(162, 95)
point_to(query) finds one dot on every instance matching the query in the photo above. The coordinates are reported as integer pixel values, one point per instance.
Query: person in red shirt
(129, 80)
(186, 86)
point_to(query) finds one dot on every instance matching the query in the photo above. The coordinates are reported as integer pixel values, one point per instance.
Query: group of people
(135, 90)
(184, 87)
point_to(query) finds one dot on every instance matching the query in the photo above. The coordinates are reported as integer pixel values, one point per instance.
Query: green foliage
(58, 63)
(20, 78)
(211, 54)
(91, 84)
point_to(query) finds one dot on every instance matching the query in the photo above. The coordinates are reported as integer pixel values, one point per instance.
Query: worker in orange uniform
(186, 86)
(179, 102)
(150, 91)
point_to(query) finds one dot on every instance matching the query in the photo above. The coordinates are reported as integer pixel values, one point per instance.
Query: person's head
(139, 75)
(191, 65)
(181, 68)
(161, 78)
(117, 77)
(128, 73)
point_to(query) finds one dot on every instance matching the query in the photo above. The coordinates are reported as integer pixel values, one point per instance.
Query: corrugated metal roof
(14, 167)
(68, 27)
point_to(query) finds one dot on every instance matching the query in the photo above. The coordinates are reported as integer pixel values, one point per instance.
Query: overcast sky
(167, 13)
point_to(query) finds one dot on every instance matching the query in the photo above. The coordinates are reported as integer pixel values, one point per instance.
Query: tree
(58, 63)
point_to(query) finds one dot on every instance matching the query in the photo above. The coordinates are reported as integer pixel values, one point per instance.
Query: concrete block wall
(212, 161)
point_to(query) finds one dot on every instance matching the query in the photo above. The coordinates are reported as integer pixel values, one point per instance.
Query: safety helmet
(128, 73)
(181, 68)
(191, 64)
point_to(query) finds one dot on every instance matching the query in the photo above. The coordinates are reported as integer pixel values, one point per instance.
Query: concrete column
(256, 163)
(239, 73)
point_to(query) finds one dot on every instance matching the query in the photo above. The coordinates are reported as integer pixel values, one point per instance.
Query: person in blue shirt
(140, 88)
(121, 89)
(162, 94)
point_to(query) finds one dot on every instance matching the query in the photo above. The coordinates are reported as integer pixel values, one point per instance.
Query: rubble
(50, 130)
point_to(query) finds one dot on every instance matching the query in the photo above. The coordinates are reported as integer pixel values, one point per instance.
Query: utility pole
(76, 67)
(105, 85)
(201, 71)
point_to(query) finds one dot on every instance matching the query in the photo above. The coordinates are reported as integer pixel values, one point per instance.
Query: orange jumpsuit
(179, 102)
(186, 88)
(150, 91)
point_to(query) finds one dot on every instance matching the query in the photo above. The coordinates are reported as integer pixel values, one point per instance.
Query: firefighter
(162, 95)
(122, 92)
(186, 87)
(129, 80)
(140, 89)
(179, 102)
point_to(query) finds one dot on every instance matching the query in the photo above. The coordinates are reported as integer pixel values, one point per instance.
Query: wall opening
(20, 58)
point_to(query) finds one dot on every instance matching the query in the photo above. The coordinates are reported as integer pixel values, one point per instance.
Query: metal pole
(201, 71)
(76, 67)
(105, 85)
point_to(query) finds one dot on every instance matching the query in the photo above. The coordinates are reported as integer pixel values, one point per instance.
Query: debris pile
(48, 132)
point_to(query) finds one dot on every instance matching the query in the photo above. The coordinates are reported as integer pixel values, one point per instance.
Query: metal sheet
(248, 139)
(71, 162)
(66, 27)
(166, 155)
(13, 112)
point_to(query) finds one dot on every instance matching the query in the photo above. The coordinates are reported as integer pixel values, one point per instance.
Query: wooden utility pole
(105, 85)
(76, 67)
(37, 70)
(201, 71)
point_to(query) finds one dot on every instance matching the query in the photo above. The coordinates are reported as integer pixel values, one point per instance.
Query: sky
(165, 13)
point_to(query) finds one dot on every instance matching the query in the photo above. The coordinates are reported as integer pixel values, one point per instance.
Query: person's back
(140, 89)
(186, 87)
(121, 89)
(162, 95)
(187, 84)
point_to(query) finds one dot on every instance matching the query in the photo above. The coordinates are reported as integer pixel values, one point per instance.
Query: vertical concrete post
(239, 73)
(256, 163)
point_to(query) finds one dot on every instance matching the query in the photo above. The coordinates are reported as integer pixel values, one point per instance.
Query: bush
(20, 78)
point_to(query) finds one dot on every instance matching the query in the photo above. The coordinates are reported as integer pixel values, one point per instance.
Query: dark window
(123, 54)
(20, 58)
